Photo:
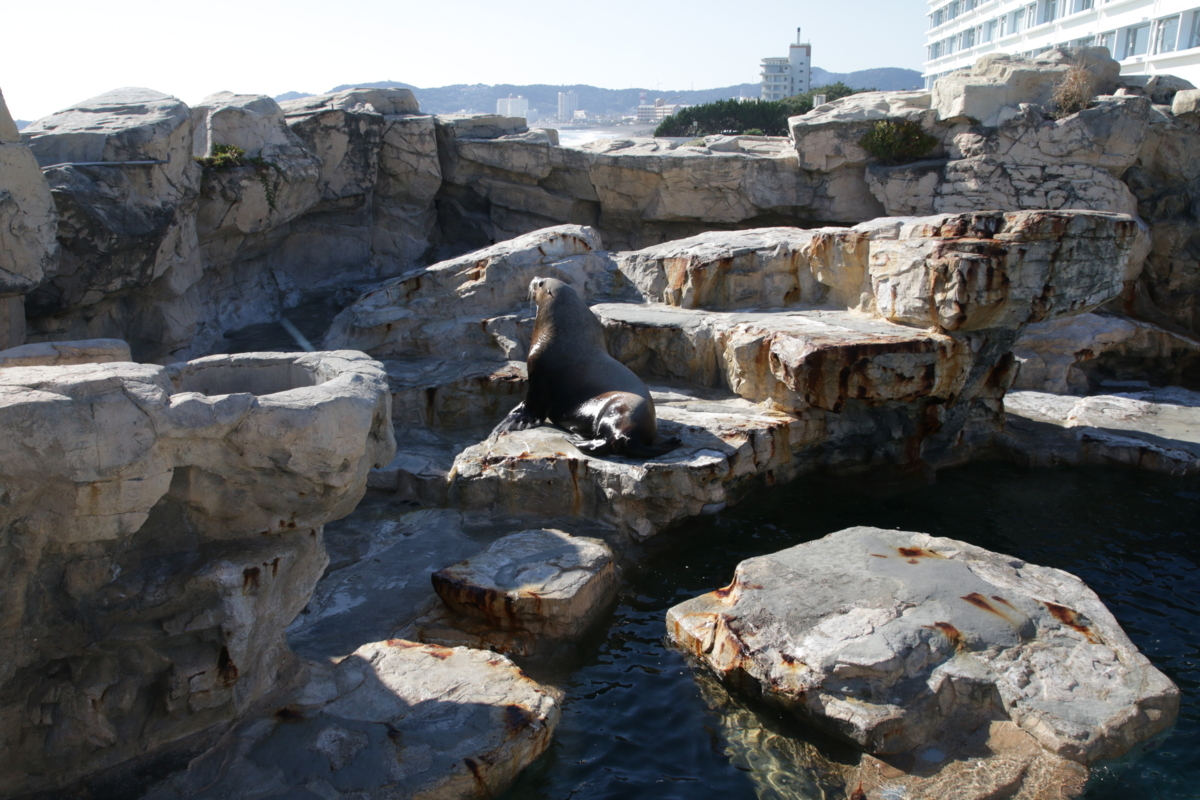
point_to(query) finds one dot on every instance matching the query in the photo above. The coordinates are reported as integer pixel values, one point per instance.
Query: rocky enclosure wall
(358, 186)
(160, 527)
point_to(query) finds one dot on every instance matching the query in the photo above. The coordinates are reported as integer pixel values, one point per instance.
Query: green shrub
(757, 119)
(230, 156)
(1073, 93)
(897, 141)
(697, 142)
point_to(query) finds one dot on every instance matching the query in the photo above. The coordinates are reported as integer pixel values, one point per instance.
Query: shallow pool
(638, 722)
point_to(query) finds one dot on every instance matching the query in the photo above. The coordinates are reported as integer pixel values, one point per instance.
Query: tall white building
(568, 104)
(513, 106)
(784, 77)
(1148, 37)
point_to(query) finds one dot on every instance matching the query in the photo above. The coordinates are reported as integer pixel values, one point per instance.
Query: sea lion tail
(519, 419)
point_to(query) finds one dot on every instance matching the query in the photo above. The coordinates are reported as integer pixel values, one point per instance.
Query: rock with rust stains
(395, 719)
(891, 640)
(545, 582)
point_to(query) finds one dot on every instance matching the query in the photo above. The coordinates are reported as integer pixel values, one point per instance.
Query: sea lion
(577, 385)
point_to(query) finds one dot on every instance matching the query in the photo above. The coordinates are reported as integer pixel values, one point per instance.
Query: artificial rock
(164, 528)
(394, 719)
(901, 638)
(546, 583)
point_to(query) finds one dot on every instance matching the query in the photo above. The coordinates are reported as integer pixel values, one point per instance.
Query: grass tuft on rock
(897, 141)
(230, 156)
(1073, 93)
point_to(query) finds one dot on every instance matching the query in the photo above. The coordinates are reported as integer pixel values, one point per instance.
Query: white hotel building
(1148, 37)
(784, 77)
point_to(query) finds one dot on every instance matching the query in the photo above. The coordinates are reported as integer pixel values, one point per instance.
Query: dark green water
(638, 722)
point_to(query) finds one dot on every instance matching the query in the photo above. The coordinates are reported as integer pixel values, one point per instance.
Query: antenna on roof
(798, 39)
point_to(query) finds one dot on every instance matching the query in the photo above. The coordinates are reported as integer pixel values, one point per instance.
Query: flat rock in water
(893, 639)
(1152, 429)
(395, 719)
(546, 582)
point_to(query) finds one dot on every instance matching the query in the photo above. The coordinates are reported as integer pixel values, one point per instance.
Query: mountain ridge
(481, 98)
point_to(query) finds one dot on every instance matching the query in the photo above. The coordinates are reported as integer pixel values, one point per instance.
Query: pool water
(639, 722)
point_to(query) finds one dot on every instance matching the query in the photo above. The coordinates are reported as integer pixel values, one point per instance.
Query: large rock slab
(121, 227)
(900, 638)
(1157, 430)
(395, 719)
(1074, 354)
(544, 582)
(164, 528)
(28, 221)
(54, 354)
(999, 83)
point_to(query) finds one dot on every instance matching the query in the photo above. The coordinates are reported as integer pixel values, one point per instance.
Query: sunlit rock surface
(1157, 430)
(164, 528)
(395, 719)
(545, 582)
(900, 639)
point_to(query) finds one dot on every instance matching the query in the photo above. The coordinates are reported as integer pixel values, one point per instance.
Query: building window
(1137, 41)
(1084, 5)
(1107, 39)
(1051, 10)
(1018, 19)
(1194, 39)
(1166, 32)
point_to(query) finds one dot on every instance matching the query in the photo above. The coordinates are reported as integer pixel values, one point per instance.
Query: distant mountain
(22, 124)
(885, 79)
(481, 97)
(283, 98)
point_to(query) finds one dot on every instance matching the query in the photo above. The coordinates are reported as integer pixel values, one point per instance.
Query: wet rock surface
(394, 719)
(936, 637)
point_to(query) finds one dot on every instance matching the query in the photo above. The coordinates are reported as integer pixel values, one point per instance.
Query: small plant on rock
(897, 141)
(1073, 93)
(230, 156)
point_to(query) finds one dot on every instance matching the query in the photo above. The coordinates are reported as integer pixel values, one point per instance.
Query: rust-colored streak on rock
(1070, 618)
(877, 555)
(979, 601)
(917, 552)
(952, 634)
(227, 671)
(516, 718)
(250, 580)
(725, 591)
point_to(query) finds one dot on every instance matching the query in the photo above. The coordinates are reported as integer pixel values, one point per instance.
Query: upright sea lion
(577, 385)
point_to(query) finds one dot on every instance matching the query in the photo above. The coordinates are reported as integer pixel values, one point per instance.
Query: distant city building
(568, 104)
(1148, 37)
(659, 111)
(513, 106)
(784, 77)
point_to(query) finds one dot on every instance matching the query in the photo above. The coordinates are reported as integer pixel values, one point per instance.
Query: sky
(56, 53)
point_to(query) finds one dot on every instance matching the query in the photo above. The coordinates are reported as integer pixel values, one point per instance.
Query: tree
(733, 117)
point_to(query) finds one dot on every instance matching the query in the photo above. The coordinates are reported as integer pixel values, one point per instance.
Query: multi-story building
(513, 106)
(568, 104)
(784, 77)
(659, 111)
(1148, 37)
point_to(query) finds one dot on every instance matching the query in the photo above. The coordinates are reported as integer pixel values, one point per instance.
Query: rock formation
(788, 347)
(163, 527)
(901, 639)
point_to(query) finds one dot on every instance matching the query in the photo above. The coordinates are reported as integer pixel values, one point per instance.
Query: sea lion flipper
(593, 447)
(519, 419)
(638, 450)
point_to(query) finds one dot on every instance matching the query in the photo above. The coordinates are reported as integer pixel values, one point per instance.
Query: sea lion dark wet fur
(577, 385)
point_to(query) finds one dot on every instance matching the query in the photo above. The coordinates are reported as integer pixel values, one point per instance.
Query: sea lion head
(545, 290)
(563, 315)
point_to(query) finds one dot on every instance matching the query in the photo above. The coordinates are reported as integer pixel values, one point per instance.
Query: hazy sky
(55, 53)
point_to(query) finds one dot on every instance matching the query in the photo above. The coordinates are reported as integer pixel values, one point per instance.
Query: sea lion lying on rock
(577, 385)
